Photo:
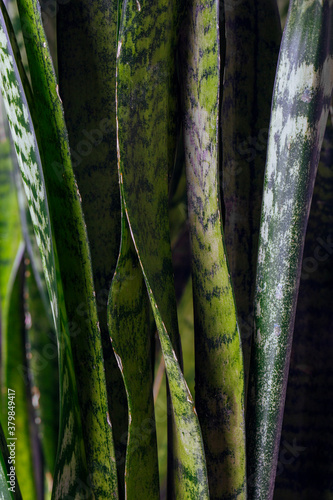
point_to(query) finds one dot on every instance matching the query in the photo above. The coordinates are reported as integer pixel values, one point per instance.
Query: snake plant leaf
(72, 452)
(15, 366)
(146, 147)
(87, 46)
(301, 99)
(253, 37)
(70, 235)
(10, 236)
(132, 342)
(43, 372)
(5, 492)
(306, 440)
(30, 240)
(219, 378)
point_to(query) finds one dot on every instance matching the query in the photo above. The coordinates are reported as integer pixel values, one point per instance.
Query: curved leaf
(219, 376)
(24, 138)
(146, 148)
(87, 46)
(302, 94)
(43, 372)
(129, 324)
(14, 380)
(74, 257)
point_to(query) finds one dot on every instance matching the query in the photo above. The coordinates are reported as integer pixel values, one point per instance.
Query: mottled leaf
(301, 99)
(219, 376)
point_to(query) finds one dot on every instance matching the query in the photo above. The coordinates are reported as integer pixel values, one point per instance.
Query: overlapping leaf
(24, 138)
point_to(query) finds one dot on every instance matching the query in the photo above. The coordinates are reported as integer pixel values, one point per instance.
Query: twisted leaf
(146, 147)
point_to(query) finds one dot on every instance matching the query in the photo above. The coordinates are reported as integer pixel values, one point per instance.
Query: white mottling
(57, 90)
(120, 364)
(277, 329)
(278, 293)
(67, 438)
(119, 48)
(108, 419)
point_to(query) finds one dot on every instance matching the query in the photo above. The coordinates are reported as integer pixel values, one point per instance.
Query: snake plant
(157, 165)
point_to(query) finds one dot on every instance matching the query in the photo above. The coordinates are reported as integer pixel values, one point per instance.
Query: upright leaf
(146, 147)
(306, 448)
(72, 452)
(74, 257)
(43, 371)
(15, 366)
(132, 342)
(219, 377)
(302, 94)
(87, 47)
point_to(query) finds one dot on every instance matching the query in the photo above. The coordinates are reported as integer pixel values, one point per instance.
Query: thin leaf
(302, 94)
(87, 45)
(15, 364)
(43, 371)
(74, 257)
(10, 236)
(219, 376)
(306, 446)
(72, 452)
(129, 324)
(146, 147)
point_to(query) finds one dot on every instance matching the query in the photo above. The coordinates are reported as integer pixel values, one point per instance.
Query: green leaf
(132, 341)
(310, 380)
(10, 236)
(253, 34)
(301, 100)
(146, 148)
(14, 380)
(87, 46)
(43, 372)
(72, 452)
(70, 237)
(219, 376)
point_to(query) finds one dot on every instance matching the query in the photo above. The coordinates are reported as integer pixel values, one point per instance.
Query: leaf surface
(219, 375)
(301, 100)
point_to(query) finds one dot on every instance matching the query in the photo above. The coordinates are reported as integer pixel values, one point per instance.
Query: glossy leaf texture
(132, 341)
(219, 376)
(301, 99)
(146, 147)
(87, 47)
(252, 36)
(71, 453)
(70, 235)
(10, 236)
